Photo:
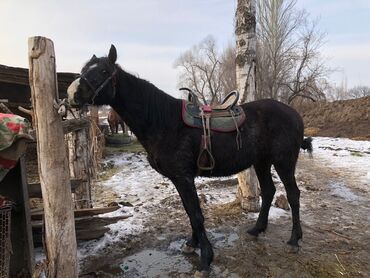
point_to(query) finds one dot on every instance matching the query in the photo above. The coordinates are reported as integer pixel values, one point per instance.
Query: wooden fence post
(60, 237)
(80, 161)
(97, 141)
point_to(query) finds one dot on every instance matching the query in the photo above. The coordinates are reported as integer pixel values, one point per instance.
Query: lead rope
(62, 106)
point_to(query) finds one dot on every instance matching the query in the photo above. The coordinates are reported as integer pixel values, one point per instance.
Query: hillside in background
(344, 118)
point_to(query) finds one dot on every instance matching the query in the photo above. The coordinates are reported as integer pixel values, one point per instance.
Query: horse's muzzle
(72, 90)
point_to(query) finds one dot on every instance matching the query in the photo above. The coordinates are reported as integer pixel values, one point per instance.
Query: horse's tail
(307, 145)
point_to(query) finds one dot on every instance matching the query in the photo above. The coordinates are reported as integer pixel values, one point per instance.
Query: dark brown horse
(272, 134)
(114, 121)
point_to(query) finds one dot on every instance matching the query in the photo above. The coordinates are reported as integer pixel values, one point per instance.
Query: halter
(106, 81)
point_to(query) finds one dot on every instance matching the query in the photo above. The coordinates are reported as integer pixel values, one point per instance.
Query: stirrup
(205, 153)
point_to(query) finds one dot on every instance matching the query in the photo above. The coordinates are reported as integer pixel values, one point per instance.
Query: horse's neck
(144, 107)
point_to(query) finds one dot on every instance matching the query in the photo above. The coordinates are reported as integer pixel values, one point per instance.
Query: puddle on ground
(153, 263)
(172, 263)
(222, 240)
(340, 190)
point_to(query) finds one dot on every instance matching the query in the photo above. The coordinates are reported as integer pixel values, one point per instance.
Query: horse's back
(280, 127)
(274, 113)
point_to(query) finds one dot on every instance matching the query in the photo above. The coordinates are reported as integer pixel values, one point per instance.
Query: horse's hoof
(201, 274)
(252, 234)
(293, 249)
(186, 249)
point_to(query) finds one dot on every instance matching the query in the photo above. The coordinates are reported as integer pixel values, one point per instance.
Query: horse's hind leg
(123, 127)
(286, 174)
(111, 127)
(263, 171)
(186, 188)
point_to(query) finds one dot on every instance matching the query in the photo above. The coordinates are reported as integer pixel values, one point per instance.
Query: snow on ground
(351, 159)
(137, 183)
(145, 189)
(344, 153)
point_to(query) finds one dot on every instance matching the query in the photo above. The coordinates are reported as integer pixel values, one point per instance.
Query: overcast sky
(150, 34)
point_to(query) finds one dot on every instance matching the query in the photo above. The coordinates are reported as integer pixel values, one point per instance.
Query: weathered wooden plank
(79, 161)
(15, 87)
(85, 223)
(86, 228)
(34, 189)
(75, 124)
(36, 214)
(4, 109)
(60, 234)
(94, 211)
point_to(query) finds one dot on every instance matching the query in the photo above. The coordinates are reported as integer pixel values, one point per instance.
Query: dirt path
(336, 242)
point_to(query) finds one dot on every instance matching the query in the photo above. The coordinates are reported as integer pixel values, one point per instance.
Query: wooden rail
(37, 214)
(15, 87)
(34, 189)
(75, 124)
(86, 228)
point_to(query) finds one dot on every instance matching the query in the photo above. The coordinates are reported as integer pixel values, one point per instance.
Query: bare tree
(277, 21)
(202, 70)
(289, 60)
(337, 92)
(228, 69)
(359, 91)
(308, 69)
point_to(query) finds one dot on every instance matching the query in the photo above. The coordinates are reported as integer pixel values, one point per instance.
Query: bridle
(112, 77)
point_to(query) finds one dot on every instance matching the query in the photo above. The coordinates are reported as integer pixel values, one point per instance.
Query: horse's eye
(104, 71)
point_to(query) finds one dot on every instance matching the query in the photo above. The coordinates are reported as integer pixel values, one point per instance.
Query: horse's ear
(93, 58)
(112, 54)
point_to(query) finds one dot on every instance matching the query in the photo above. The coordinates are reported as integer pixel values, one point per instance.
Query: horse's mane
(160, 110)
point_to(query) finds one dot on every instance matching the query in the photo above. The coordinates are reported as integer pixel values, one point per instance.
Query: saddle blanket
(221, 121)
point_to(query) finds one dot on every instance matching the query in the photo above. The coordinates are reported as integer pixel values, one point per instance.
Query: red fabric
(13, 131)
(7, 163)
(207, 108)
(15, 127)
(3, 116)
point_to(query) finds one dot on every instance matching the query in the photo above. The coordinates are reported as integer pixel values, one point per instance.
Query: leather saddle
(224, 117)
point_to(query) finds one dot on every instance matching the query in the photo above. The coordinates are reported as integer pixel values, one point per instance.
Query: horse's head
(97, 82)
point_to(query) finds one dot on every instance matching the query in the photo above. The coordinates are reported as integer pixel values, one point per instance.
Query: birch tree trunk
(245, 32)
(60, 236)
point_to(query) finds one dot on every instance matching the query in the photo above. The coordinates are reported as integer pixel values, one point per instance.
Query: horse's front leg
(186, 188)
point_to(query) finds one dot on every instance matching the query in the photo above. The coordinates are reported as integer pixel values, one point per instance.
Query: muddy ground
(336, 239)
